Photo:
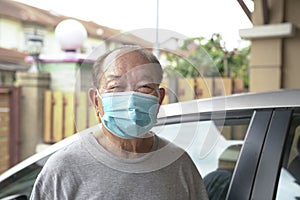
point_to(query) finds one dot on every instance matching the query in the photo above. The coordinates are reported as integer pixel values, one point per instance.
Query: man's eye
(115, 88)
(145, 89)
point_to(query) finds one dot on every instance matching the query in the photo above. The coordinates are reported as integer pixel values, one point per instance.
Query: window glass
(289, 180)
(214, 146)
(22, 182)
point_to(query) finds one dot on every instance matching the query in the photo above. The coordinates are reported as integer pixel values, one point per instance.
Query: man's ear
(162, 93)
(95, 100)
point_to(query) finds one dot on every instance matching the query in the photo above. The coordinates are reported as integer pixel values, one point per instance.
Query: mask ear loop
(101, 124)
(98, 93)
(97, 110)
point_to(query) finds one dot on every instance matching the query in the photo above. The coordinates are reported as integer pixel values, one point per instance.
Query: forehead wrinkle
(131, 59)
(119, 63)
(110, 61)
(146, 78)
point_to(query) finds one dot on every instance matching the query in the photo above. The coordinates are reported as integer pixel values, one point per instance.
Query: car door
(274, 178)
(245, 171)
(214, 141)
(262, 170)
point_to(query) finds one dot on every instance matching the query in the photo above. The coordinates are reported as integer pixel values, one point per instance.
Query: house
(11, 61)
(19, 22)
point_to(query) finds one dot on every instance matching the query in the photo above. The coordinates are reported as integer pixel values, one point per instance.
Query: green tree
(210, 58)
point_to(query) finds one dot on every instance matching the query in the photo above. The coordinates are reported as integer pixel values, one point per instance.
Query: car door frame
(261, 180)
(268, 171)
(246, 166)
(256, 117)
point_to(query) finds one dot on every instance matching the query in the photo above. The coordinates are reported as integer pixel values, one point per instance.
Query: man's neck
(121, 147)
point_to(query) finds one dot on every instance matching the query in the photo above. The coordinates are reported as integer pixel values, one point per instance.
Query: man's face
(130, 72)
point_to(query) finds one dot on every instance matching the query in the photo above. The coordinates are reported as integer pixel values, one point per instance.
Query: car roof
(274, 99)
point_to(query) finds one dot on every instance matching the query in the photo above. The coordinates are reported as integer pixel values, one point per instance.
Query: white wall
(11, 34)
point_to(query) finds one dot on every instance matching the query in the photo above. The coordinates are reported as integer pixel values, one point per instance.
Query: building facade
(19, 23)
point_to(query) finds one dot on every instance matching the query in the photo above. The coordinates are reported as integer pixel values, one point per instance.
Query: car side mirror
(15, 197)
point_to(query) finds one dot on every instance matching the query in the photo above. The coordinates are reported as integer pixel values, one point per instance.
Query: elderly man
(123, 159)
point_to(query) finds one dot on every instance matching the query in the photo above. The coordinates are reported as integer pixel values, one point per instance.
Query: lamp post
(35, 44)
(65, 67)
(156, 44)
(70, 35)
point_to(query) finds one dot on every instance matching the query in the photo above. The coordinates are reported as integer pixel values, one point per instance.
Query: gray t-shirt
(85, 170)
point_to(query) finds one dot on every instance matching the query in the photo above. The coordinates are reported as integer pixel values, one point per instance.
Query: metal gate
(9, 126)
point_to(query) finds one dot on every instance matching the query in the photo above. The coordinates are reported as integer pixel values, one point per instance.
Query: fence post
(33, 87)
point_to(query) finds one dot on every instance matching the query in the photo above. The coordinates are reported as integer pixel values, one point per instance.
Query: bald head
(127, 60)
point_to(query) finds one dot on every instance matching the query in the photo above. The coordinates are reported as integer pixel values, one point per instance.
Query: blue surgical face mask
(129, 114)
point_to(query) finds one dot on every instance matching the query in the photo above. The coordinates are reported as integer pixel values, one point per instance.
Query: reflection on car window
(217, 182)
(22, 182)
(214, 146)
(289, 181)
(294, 164)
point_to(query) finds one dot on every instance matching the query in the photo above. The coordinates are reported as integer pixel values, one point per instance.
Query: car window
(22, 182)
(214, 146)
(289, 180)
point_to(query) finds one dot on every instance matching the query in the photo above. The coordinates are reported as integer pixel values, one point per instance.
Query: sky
(187, 18)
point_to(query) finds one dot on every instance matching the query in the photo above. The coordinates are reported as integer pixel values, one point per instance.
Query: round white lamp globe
(70, 34)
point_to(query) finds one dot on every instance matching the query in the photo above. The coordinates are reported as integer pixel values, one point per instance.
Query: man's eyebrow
(152, 79)
(113, 77)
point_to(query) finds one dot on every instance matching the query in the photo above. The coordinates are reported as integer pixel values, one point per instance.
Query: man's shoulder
(65, 156)
(169, 145)
(179, 154)
(70, 154)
